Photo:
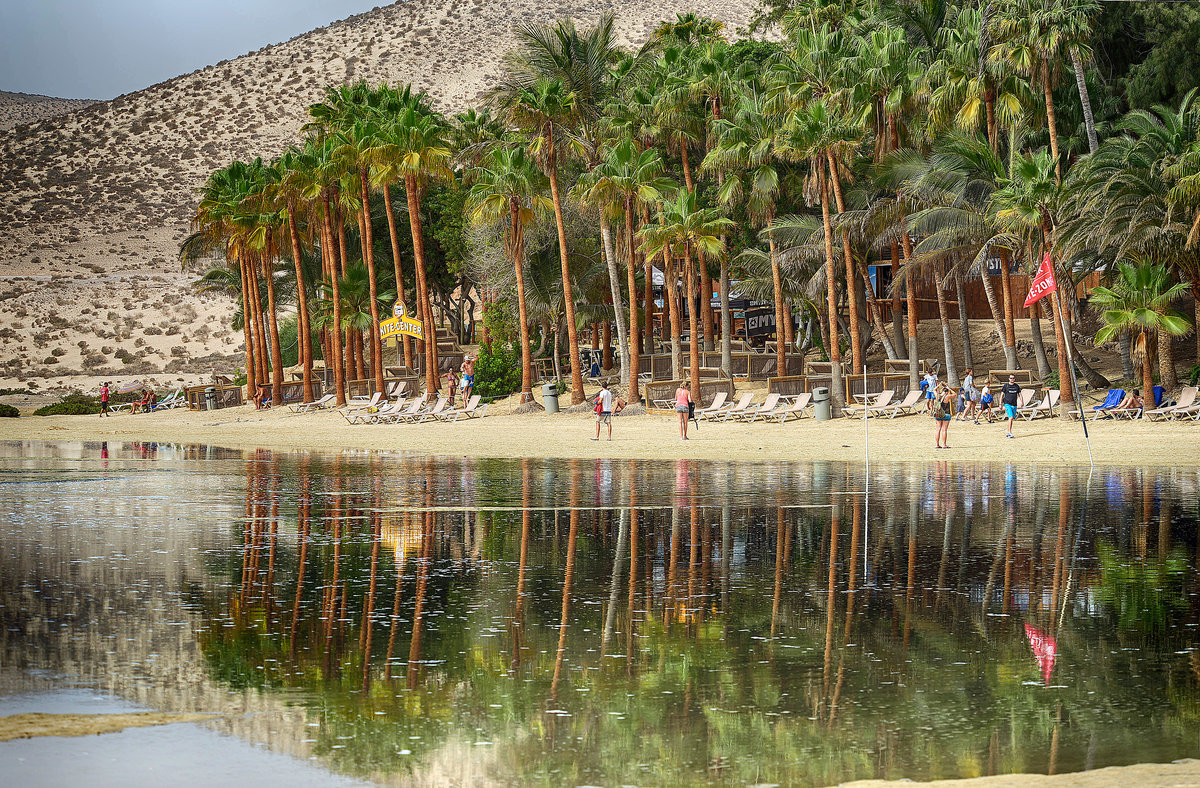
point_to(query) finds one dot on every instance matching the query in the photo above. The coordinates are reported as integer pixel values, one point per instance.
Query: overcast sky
(100, 49)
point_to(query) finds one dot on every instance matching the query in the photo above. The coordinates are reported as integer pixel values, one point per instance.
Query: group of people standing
(972, 404)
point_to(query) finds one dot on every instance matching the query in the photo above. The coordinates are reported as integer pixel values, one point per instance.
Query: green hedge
(71, 405)
(8, 411)
(497, 371)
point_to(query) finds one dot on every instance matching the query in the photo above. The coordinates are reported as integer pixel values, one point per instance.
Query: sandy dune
(107, 190)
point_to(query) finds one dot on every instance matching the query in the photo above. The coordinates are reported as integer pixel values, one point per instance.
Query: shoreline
(650, 436)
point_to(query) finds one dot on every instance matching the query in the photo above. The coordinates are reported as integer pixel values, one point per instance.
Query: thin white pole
(1074, 381)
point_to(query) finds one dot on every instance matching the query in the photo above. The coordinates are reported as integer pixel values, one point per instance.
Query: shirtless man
(468, 377)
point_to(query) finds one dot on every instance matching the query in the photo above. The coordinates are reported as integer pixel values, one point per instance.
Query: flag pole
(1074, 380)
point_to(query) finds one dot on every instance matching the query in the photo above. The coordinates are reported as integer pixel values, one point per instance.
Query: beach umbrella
(127, 388)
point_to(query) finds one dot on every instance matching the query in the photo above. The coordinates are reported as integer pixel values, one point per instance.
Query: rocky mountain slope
(18, 109)
(94, 202)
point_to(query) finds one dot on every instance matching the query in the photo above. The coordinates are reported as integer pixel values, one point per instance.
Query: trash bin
(210, 398)
(821, 409)
(550, 397)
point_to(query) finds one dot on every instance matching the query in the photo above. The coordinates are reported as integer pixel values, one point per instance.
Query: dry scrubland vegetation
(95, 202)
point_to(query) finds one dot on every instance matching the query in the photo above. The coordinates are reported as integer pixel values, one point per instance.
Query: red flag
(1043, 283)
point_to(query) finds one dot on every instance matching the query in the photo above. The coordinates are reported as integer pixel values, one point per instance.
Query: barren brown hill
(17, 109)
(95, 202)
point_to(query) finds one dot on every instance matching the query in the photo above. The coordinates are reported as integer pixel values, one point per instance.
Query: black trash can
(821, 407)
(550, 397)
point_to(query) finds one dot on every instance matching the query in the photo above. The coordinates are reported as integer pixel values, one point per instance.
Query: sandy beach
(649, 436)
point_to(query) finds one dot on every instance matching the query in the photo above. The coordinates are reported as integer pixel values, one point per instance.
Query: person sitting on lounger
(1131, 401)
(145, 404)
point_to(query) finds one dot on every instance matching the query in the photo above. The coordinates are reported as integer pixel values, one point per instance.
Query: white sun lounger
(375, 417)
(414, 408)
(713, 408)
(470, 410)
(802, 403)
(881, 399)
(764, 408)
(1044, 407)
(738, 408)
(1186, 401)
(907, 406)
(305, 407)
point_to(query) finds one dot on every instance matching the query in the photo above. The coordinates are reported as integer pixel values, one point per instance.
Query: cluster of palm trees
(945, 134)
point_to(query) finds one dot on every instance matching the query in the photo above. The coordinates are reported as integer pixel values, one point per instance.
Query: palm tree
(510, 190)
(747, 154)
(292, 176)
(1024, 204)
(545, 111)
(627, 179)
(1032, 37)
(414, 145)
(683, 228)
(1138, 301)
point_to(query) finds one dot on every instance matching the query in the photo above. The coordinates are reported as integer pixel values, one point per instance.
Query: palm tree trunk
(726, 319)
(1067, 394)
(837, 393)
(369, 258)
(693, 323)
(671, 286)
(606, 341)
(344, 258)
(944, 316)
(614, 285)
(518, 260)
(568, 295)
(963, 322)
(301, 306)
(247, 319)
(260, 345)
(897, 311)
(856, 350)
(1039, 348)
(1123, 343)
(428, 330)
(705, 301)
(910, 289)
(1051, 125)
(1084, 99)
(634, 353)
(780, 315)
(1147, 368)
(989, 290)
(648, 285)
(989, 105)
(335, 334)
(395, 237)
(1010, 331)
(1166, 366)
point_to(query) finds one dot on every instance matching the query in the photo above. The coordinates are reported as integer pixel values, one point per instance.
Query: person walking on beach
(104, 399)
(468, 376)
(970, 397)
(1010, 392)
(604, 408)
(943, 412)
(931, 383)
(683, 409)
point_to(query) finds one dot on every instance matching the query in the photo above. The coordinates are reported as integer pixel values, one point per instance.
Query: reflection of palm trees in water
(568, 576)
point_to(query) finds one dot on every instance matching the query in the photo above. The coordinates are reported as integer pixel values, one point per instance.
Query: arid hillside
(18, 109)
(94, 202)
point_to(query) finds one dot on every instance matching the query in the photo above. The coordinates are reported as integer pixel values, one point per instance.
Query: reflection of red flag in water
(1043, 283)
(1045, 650)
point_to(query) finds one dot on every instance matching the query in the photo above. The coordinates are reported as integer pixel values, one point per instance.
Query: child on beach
(985, 404)
(929, 384)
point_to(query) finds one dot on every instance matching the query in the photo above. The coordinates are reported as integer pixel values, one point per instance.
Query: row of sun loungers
(377, 410)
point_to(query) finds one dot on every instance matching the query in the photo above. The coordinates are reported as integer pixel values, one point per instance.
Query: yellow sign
(399, 324)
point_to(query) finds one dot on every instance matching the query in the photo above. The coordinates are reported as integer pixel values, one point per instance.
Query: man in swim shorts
(1009, 394)
(468, 377)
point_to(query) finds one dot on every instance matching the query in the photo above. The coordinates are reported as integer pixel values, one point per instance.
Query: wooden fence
(228, 396)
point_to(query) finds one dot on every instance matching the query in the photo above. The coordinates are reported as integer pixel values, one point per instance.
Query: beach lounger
(740, 407)
(912, 401)
(365, 402)
(881, 399)
(470, 410)
(1187, 398)
(765, 408)
(802, 403)
(416, 417)
(1044, 407)
(383, 413)
(742, 403)
(404, 414)
(305, 407)
(1111, 400)
(713, 408)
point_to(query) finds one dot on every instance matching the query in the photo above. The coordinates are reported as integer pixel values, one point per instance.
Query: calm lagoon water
(515, 622)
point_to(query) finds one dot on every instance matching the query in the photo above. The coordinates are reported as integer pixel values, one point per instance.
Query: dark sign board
(760, 322)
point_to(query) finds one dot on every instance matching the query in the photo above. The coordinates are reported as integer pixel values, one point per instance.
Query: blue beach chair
(1111, 401)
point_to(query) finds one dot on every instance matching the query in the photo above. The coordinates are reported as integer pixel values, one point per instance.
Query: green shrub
(497, 371)
(1193, 374)
(8, 411)
(71, 405)
(1052, 380)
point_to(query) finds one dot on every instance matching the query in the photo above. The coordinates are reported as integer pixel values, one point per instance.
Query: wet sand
(28, 726)
(650, 436)
(1143, 775)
